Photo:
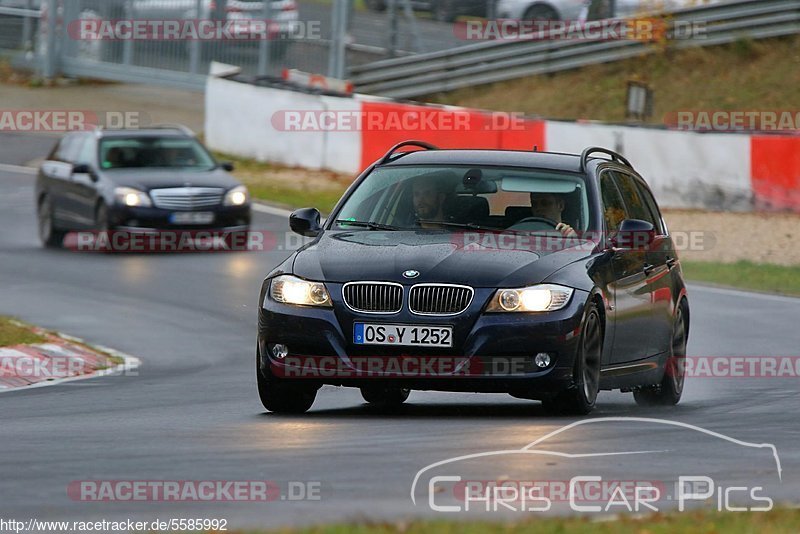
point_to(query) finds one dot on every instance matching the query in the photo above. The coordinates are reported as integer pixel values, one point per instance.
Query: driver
(551, 206)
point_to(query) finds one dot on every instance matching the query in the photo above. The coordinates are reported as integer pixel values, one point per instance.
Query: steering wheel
(542, 220)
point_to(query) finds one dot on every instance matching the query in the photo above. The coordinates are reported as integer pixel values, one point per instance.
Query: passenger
(429, 195)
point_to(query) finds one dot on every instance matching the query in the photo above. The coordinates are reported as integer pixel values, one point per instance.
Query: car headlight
(289, 289)
(238, 196)
(539, 298)
(128, 196)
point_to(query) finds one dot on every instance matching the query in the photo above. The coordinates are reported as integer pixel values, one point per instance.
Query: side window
(86, 152)
(637, 209)
(650, 202)
(613, 206)
(67, 148)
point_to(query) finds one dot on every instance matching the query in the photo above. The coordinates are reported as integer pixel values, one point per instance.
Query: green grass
(13, 334)
(778, 521)
(291, 198)
(741, 75)
(746, 275)
(287, 187)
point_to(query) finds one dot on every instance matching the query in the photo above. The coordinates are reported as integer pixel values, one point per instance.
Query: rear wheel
(49, 235)
(581, 397)
(385, 397)
(444, 11)
(670, 390)
(281, 397)
(375, 5)
(540, 12)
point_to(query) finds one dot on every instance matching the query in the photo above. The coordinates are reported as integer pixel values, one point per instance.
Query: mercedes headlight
(128, 196)
(539, 298)
(289, 289)
(238, 196)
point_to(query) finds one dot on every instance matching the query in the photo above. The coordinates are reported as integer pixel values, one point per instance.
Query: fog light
(279, 351)
(542, 360)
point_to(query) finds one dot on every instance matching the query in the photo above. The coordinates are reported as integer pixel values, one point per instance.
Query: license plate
(192, 217)
(403, 335)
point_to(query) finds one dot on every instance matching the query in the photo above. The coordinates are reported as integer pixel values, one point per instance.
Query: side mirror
(227, 166)
(306, 222)
(634, 234)
(82, 168)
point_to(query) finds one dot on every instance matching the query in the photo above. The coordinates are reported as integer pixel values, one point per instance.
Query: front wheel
(49, 235)
(580, 398)
(385, 397)
(670, 390)
(282, 398)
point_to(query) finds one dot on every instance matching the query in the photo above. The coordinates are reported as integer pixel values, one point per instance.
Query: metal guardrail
(488, 62)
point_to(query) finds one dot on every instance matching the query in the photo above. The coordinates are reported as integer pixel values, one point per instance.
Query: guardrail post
(50, 61)
(127, 46)
(338, 50)
(194, 46)
(27, 45)
(265, 46)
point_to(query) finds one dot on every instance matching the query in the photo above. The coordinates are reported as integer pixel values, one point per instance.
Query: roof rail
(596, 149)
(422, 144)
(168, 126)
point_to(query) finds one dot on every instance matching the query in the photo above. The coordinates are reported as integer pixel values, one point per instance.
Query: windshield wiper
(469, 226)
(364, 224)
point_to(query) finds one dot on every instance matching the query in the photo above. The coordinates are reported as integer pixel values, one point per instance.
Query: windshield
(157, 152)
(450, 198)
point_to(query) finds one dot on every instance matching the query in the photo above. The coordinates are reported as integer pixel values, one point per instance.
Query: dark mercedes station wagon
(547, 276)
(137, 181)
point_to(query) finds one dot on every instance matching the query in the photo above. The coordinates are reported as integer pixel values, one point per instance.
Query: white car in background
(588, 9)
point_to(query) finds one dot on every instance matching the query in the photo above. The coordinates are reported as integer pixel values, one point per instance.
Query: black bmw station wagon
(543, 275)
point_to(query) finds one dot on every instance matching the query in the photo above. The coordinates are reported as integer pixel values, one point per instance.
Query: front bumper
(147, 220)
(492, 352)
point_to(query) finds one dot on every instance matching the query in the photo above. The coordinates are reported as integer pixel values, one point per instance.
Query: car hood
(146, 179)
(438, 257)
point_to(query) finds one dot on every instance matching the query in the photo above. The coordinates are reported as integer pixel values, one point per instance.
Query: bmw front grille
(439, 299)
(424, 299)
(373, 297)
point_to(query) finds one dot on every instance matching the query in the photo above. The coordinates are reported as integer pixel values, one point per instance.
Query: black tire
(443, 11)
(103, 225)
(385, 397)
(670, 390)
(540, 12)
(280, 397)
(49, 235)
(376, 5)
(581, 397)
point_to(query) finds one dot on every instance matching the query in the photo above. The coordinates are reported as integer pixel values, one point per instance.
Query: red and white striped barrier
(686, 169)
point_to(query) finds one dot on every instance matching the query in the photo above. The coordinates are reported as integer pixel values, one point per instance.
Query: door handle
(671, 262)
(648, 269)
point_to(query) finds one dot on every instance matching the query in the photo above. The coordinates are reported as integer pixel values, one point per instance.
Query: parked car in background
(136, 181)
(588, 9)
(442, 10)
(284, 21)
(540, 9)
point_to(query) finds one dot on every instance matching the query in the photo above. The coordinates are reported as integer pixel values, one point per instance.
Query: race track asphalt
(191, 411)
